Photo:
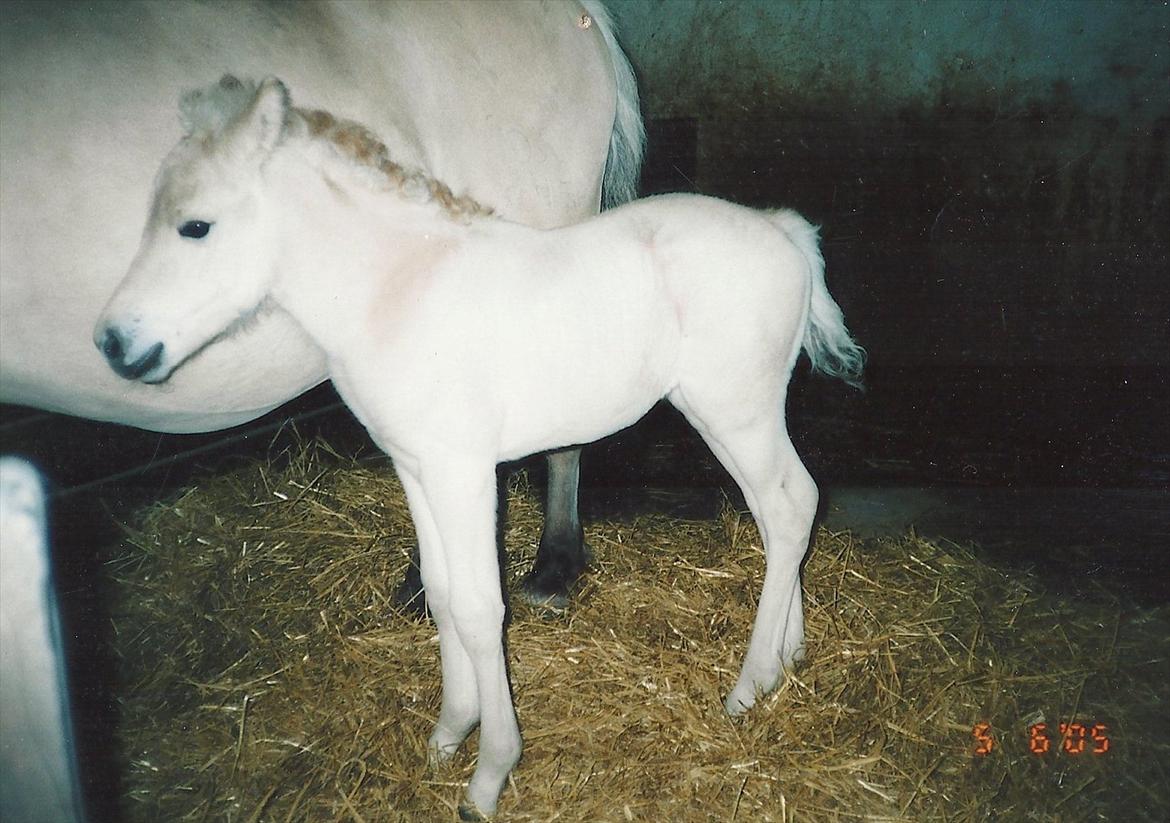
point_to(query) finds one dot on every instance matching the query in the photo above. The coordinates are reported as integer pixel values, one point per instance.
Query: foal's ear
(261, 125)
(235, 116)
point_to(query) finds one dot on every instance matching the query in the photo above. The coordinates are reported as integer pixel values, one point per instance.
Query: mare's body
(519, 104)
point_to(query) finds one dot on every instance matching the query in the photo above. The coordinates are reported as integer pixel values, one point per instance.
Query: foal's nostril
(112, 346)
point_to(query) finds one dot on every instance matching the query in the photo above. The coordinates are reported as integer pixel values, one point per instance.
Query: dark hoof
(559, 565)
(471, 814)
(409, 596)
(534, 596)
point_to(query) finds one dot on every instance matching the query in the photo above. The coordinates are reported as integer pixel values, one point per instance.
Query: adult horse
(524, 106)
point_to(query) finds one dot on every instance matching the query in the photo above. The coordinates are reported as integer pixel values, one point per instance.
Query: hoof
(750, 688)
(738, 706)
(560, 562)
(471, 814)
(535, 596)
(438, 756)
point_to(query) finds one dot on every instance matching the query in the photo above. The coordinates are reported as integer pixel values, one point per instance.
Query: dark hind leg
(409, 595)
(562, 557)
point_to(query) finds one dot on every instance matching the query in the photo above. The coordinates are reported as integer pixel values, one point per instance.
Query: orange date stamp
(1072, 739)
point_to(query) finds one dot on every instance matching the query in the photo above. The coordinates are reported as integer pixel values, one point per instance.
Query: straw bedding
(267, 676)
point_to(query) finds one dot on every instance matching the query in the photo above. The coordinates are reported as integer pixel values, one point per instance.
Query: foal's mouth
(137, 370)
(142, 368)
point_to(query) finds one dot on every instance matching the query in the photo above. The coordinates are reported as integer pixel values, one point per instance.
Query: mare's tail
(826, 340)
(628, 138)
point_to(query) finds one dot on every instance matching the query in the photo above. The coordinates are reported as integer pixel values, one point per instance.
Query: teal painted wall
(1107, 58)
(993, 177)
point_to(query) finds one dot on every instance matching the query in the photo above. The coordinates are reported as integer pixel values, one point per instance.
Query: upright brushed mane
(210, 110)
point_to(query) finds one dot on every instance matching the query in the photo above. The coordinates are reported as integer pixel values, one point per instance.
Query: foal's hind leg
(749, 437)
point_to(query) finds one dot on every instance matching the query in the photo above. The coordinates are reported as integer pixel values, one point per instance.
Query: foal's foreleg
(461, 497)
(459, 711)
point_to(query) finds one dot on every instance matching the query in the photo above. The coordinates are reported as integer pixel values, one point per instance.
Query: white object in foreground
(38, 777)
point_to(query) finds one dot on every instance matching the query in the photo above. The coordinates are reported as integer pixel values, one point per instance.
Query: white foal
(474, 341)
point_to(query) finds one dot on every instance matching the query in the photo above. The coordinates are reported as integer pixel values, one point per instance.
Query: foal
(478, 341)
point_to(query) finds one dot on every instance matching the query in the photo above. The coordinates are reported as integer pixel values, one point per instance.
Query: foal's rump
(736, 276)
(747, 288)
(771, 283)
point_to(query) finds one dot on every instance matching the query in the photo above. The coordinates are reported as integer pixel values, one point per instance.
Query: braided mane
(358, 144)
(207, 113)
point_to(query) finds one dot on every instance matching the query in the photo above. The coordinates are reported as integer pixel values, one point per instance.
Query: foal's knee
(437, 594)
(479, 622)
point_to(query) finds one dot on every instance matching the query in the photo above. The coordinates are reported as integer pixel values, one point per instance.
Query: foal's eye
(195, 229)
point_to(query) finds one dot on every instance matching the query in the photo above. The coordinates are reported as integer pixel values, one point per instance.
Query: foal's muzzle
(116, 348)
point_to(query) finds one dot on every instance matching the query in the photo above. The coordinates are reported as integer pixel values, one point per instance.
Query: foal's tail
(826, 340)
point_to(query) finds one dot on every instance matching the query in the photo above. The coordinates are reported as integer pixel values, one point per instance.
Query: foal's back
(707, 268)
(689, 243)
(567, 335)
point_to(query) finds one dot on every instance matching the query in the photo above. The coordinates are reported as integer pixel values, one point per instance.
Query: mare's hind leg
(561, 557)
(560, 560)
(751, 441)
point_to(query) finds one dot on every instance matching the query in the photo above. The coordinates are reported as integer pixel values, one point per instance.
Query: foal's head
(208, 255)
(206, 258)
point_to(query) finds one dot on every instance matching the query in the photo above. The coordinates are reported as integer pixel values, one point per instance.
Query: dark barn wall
(992, 176)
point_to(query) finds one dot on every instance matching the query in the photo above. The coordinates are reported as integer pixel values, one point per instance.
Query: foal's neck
(351, 247)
